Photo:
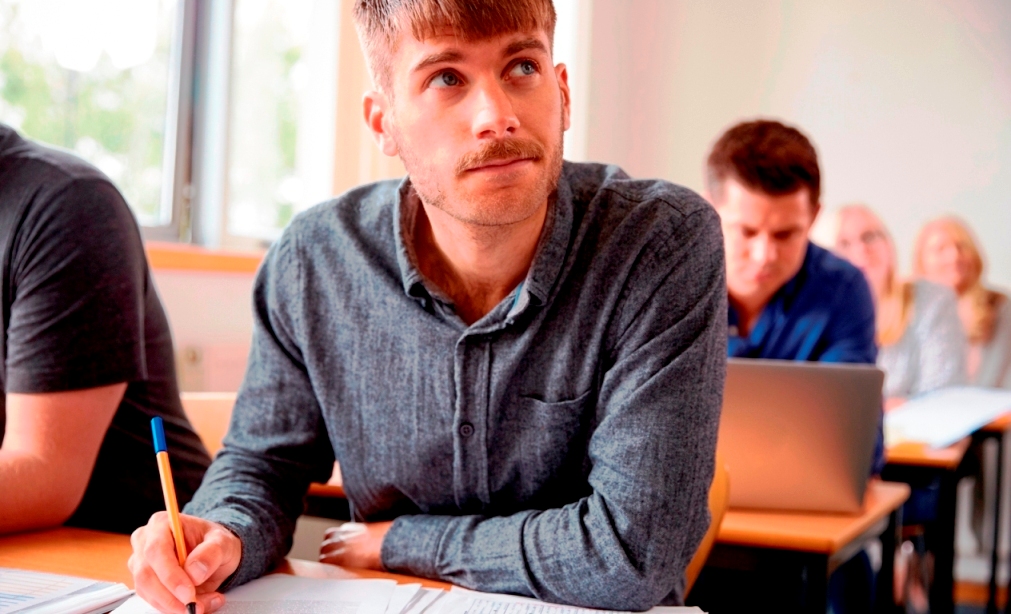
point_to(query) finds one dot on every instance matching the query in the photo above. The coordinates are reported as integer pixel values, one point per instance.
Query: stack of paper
(942, 417)
(30, 592)
(284, 594)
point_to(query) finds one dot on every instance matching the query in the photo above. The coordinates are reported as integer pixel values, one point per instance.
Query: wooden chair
(209, 413)
(719, 501)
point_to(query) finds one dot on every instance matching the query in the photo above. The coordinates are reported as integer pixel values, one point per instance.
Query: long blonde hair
(978, 306)
(893, 308)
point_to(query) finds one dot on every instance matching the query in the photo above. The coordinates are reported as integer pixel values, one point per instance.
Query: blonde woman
(946, 253)
(922, 346)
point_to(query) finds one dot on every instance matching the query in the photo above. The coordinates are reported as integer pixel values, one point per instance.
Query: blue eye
(523, 69)
(445, 79)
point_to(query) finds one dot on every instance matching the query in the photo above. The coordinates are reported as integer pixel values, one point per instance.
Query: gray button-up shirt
(560, 447)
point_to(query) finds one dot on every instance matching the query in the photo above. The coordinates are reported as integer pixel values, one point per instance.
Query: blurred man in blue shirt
(789, 298)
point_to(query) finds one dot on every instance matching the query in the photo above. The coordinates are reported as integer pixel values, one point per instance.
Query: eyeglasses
(866, 238)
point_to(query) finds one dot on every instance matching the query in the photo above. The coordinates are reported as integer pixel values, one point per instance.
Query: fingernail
(216, 603)
(183, 593)
(198, 572)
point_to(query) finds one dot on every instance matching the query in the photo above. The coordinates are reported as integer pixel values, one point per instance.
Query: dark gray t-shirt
(80, 311)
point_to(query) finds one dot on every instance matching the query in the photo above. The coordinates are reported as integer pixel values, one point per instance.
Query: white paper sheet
(402, 596)
(424, 600)
(463, 601)
(101, 596)
(285, 594)
(23, 589)
(942, 417)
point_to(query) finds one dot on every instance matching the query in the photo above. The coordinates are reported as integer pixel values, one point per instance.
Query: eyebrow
(438, 58)
(453, 55)
(523, 45)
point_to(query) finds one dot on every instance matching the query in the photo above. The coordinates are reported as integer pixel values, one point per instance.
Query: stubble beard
(486, 210)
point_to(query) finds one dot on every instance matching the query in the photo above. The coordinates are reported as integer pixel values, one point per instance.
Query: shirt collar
(549, 256)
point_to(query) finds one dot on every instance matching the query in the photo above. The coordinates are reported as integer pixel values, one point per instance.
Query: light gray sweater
(931, 353)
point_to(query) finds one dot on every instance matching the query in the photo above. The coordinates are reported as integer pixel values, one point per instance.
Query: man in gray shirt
(517, 361)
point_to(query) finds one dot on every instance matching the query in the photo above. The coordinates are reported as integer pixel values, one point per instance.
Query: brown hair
(767, 156)
(380, 24)
(978, 306)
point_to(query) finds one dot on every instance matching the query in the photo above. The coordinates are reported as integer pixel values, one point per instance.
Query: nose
(495, 116)
(764, 250)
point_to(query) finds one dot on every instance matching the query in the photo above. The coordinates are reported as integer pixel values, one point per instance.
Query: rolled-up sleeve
(627, 543)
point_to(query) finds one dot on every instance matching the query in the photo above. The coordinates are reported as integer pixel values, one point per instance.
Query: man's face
(478, 124)
(765, 238)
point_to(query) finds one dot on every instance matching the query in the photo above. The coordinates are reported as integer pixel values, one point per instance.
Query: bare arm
(49, 449)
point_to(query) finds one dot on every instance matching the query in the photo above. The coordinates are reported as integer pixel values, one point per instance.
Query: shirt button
(466, 429)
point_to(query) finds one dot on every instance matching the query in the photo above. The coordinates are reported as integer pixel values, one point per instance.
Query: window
(93, 77)
(281, 125)
(220, 119)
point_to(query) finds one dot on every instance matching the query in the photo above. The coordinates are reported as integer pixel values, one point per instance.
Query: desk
(103, 556)
(813, 544)
(920, 466)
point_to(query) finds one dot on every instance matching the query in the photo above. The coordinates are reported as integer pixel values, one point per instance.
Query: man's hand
(214, 554)
(354, 544)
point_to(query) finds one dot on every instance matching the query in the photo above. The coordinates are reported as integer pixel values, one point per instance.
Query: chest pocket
(538, 450)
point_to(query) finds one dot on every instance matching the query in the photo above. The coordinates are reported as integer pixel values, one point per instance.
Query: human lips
(501, 164)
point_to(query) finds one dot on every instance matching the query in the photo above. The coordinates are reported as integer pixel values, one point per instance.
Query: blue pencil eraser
(158, 430)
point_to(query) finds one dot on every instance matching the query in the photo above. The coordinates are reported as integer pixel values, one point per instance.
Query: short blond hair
(380, 23)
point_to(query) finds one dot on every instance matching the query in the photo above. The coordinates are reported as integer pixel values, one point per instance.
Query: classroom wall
(907, 101)
(211, 318)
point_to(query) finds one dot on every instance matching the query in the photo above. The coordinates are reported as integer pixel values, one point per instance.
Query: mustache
(509, 149)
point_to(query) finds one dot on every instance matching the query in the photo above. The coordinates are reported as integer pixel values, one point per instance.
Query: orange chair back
(209, 413)
(719, 500)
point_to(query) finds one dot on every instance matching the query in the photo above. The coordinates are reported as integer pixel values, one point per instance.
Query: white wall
(907, 101)
(211, 318)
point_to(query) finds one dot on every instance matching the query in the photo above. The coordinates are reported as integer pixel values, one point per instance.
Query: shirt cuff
(254, 552)
(411, 546)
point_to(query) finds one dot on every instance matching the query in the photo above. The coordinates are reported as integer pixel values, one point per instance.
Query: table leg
(943, 546)
(991, 603)
(816, 585)
(884, 598)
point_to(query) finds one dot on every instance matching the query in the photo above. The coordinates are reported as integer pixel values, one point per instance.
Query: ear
(814, 213)
(376, 106)
(562, 75)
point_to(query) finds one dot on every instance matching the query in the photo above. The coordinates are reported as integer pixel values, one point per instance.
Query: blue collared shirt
(825, 313)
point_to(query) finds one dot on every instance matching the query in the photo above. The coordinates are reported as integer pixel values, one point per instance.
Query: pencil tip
(191, 608)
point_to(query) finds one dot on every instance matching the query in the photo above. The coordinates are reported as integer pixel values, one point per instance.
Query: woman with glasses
(922, 346)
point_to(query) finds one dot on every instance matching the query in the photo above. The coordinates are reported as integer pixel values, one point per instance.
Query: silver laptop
(799, 435)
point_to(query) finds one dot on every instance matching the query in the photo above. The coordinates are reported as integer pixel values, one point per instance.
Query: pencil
(168, 489)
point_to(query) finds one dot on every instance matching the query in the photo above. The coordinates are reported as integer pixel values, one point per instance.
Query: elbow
(633, 590)
(34, 510)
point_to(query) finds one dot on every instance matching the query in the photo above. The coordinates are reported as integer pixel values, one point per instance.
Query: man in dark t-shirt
(86, 353)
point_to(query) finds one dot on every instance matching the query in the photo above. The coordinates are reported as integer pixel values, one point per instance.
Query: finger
(333, 546)
(160, 555)
(205, 560)
(151, 590)
(210, 602)
(137, 539)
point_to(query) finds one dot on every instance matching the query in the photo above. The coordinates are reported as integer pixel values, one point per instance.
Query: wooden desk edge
(767, 529)
(919, 455)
